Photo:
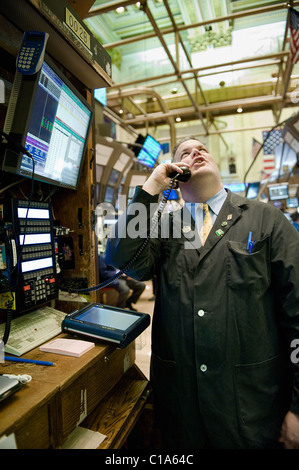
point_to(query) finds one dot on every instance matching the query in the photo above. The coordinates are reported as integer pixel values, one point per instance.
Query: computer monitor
(113, 178)
(278, 191)
(100, 94)
(253, 190)
(109, 194)
(235, 187)
(292, 202)
(173, 195)
(149, 152)
(52, 120)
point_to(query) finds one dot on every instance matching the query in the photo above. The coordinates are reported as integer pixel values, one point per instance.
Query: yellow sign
(5, 297)
(77, 28)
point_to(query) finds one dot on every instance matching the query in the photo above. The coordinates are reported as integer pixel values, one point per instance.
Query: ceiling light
(174, 90)
(121, 111)
(240, 110)
(178, 119)
(120, 9)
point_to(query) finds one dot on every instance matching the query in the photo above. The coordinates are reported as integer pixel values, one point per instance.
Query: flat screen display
(113, 178)
(173, 195)
(100, 94)
(236, 187)
(57, 130)
(109, 194)
(104, 317)
(51, 119)
(278, 191)
(253, 190)
(292, 202)
(150, 152)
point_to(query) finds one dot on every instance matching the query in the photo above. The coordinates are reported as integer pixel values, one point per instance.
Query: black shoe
(129, 305)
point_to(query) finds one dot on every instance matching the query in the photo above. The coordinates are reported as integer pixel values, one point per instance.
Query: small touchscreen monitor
(112, 324)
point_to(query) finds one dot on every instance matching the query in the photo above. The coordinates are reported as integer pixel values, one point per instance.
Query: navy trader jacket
(223, 324)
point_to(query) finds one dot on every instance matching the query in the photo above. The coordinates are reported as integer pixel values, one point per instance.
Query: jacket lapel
(227, 217)
(184, 225)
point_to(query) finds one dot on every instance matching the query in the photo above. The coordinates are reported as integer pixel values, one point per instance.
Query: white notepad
(67, 347)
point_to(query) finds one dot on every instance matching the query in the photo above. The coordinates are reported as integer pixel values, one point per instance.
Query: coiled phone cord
(132, 261)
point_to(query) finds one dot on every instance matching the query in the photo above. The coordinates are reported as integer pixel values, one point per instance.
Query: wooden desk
(60, 397)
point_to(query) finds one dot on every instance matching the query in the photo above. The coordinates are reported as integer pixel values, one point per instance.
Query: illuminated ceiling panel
(193, 54)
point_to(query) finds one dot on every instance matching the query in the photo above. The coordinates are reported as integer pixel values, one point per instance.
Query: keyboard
(32, 329)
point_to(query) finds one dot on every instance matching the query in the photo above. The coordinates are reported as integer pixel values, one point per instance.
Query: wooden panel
(118, 412)
(102, 389)
(36, 432)
(83, 393)
(27, 412)
(82, 7)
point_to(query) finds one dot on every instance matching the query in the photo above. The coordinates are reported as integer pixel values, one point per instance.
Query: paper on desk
(82, 438)
(72, 296)
(68, 347)
(8, 442)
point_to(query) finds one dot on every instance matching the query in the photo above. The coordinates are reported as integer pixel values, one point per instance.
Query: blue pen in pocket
(250, 243)
(249, 240)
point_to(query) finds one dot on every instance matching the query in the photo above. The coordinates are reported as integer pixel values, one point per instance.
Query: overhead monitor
(235, 187)
(292, 202)
(278, 191)
(173, 195)
(253, 190)
(114, 177)
(109, 194)
(100, 95)
(150, 151)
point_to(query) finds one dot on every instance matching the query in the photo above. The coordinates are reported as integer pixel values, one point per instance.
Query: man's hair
(191, 137)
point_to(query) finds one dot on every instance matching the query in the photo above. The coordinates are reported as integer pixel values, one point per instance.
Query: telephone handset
(32, 52)
(185, 176)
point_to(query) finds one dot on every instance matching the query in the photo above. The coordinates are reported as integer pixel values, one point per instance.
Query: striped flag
(273, 139)
(294, 36)
(268, 163)
(255, 148)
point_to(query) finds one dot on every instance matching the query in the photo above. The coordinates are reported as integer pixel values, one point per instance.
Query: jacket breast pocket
(245, 270)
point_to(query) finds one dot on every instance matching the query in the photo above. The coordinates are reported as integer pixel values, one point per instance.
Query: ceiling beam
(110, 6)
(233, 16)
(246, 103)
(176, 69)
(276, 55)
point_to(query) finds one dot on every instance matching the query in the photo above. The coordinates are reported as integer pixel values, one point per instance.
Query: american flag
(273, 139)
(255, 148)
(294, 36)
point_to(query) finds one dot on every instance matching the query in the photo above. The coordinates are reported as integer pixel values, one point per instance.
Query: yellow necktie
(207, 224)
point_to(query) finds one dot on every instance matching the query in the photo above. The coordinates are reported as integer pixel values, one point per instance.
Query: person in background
(225, 331)
(123, 285)
(295, 220)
